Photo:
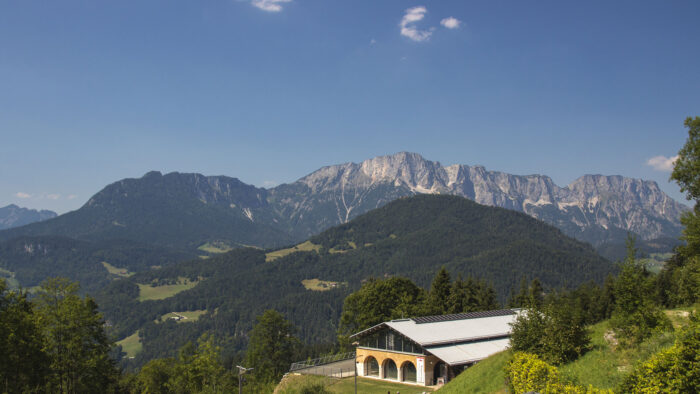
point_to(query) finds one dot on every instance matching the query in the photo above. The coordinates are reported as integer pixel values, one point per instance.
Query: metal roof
(433, 331)
(469, 352)
(453, 331)
(462, 316)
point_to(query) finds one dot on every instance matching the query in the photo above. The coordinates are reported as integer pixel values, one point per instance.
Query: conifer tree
(439, 296)
(271, 347)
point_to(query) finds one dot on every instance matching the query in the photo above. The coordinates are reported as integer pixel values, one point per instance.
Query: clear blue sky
(269, 90)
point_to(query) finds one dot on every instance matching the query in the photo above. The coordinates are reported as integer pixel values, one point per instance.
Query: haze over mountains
(14, 216)
(191, 209)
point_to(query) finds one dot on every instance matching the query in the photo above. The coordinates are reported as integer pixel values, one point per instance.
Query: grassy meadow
(131, 345)
(307, 246)
(148, 292)
(186, 316)
(122, 272)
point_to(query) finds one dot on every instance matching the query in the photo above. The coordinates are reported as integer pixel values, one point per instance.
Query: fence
(333, 358)
(335, 366)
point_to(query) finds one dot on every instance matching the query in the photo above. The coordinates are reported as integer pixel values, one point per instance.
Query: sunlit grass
(123, 272)
(321, 285)
(131, 345)
(307, 246)
(148, 292)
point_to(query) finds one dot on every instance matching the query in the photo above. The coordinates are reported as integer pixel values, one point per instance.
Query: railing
(331, 372)
(321, 361)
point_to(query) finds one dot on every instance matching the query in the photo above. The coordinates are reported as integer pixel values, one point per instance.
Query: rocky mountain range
(192, 209)
(14, 216)
(593, 208)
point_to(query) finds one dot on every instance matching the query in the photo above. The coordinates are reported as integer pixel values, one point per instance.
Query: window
(371, 367)
(390, 371)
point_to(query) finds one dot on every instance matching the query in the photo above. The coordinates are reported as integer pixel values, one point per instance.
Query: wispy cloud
(72, 196)
(269, 183)
(372, 41)
(662, 163)
(23, 195)
(270, 5)
(408, 28)
(451, 22)
(53, 196)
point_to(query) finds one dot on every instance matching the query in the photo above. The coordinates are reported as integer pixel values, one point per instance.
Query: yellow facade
(424, 377)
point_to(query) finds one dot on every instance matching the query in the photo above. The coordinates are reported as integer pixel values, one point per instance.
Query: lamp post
(241, 372)
(355, 364)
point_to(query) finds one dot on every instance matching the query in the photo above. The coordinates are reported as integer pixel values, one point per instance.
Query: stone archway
(371, 366)
(408, 372)
(390, 370)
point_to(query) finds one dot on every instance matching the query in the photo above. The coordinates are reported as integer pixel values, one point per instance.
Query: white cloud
(270, 5)
(662, 163)
(408, 28)
(72, 196)
(23, 195)
(53, 196)
(451, 22)
(269, 183)
(372, 41)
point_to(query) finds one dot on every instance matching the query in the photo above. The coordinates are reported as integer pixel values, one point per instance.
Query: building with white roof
(433, 349)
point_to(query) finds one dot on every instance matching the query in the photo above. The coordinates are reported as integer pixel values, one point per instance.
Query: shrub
(673, 370)
(527, 373)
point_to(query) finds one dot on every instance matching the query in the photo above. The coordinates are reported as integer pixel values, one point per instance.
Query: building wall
(399, 359)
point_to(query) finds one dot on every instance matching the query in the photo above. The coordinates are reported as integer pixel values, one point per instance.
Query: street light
(241, 372)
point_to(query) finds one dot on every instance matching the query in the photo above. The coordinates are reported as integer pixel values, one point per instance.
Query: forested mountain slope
(411, 237)
(174, 210)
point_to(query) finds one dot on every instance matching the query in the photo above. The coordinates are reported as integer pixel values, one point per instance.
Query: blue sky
(268, 91)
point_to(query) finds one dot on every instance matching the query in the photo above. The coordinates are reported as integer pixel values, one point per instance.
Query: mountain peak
(15, 216)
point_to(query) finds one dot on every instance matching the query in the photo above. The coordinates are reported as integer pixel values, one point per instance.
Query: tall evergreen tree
(271, 347)
(535, 293)
(635, 315)
(439, 296)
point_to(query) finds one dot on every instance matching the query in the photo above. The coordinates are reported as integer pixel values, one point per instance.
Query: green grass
(216, 247)
(131, 345)
(122, 272)
(486, 376)
(307, 246)
(293, 384)
(605, 366)
(187, 316)
(148, 292)
(321, 285)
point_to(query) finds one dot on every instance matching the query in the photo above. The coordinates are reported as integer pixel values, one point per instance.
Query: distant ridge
(188, 210)
(14, 216)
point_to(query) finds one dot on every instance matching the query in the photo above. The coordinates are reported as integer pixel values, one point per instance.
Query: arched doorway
(440, 371)
(408, 372)
(371, 366)
(390, 370)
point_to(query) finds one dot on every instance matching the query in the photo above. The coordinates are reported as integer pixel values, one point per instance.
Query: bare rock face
(594, 208)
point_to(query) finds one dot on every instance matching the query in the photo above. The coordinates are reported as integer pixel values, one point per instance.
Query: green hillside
(604, 366)
(92, 263)
(410, 237)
